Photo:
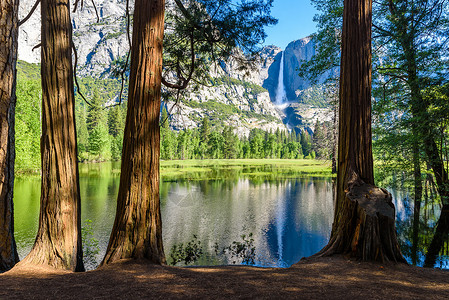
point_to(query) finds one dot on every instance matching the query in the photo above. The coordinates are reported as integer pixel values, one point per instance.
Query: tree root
(364, 228)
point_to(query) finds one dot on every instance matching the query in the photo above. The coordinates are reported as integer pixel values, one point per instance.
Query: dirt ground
(321, 278)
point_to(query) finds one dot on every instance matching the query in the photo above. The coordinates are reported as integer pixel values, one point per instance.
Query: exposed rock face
(295, 52)
(29, 33)
(236, 100)
(296, 113)
(100, 43)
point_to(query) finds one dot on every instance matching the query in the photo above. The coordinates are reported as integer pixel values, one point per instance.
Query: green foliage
(250, 87)
(28, 125)
(322, 141)
(220, 112)
(219, 144)
(99, 136)
(306, 143)
(28, 71)
(328, 40)
(116, 127)
(198, 32)
(99, 143)
(314, 96)
(91, 247)
(263, 169)
(243, 252)
(411, 62)
(190, 253)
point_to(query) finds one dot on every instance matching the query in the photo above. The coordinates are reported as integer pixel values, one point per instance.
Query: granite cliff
(243, 100)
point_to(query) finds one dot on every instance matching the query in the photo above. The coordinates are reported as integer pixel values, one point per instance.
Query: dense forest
(410, 97)
(100, 127)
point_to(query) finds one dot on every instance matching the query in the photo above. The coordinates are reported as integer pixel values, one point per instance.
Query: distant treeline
(205, 142)
(100, 131)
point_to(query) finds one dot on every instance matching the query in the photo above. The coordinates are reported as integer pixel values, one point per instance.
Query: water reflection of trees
(416, 230)
(292, 213)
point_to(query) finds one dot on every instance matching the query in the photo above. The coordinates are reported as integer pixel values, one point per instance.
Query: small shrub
(190, 253)
(244, 251)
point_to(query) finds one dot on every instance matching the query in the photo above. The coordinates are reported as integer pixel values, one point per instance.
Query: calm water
(289, 219)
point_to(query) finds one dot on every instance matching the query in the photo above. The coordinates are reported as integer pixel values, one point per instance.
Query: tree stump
(366, 226)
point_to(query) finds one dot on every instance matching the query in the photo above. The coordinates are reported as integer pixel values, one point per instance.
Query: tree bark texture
(364, 225)
(58, 241)
(137, 231)
(8, 59)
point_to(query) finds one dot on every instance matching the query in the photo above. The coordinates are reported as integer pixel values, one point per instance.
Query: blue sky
(295, 22)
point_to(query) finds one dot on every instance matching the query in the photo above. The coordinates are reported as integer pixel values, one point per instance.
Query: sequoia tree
(8, 59)
(58, 241)
(363, 225)
(137, 230)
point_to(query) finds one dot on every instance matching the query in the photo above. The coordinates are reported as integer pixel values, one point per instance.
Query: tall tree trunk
(137, 231)
(58, 241)
(364, 224)
(440, 236)
(423, 130)
(8, 59)
(442, 182)
(417, 201)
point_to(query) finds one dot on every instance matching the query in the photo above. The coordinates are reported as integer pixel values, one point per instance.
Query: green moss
(314, 96)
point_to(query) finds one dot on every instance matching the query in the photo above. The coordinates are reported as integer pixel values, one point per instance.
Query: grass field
(267, 169)
(250, 168)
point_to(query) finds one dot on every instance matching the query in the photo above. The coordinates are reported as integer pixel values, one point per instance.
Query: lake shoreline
(316, 278)
(185, 168)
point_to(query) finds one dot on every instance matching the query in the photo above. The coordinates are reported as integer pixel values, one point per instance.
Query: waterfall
(281, 96)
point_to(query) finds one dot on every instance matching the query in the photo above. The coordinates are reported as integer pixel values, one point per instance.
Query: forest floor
(318, 278)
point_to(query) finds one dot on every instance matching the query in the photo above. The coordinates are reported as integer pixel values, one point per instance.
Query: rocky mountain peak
(101, 42)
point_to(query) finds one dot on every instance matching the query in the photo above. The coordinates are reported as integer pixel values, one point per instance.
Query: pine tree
(306, 143)
(204, 137)
(230, 143)
(82, 134)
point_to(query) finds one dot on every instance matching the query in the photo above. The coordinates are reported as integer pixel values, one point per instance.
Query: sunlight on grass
(266, 169)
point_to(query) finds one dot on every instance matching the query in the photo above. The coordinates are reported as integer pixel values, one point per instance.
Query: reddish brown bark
(364, 214)
(58, 241)
(137, 231)
(8, 59)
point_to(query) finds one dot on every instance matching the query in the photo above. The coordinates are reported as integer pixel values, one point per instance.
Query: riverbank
(250, 168)
(322, 278)
(207, 168)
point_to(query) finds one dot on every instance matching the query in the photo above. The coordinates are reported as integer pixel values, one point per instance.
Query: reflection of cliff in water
(289, 219)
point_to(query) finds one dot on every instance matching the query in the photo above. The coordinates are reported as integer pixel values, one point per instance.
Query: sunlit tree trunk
(137, 231)
(364, 214)
(8, 59)
(58, 241)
